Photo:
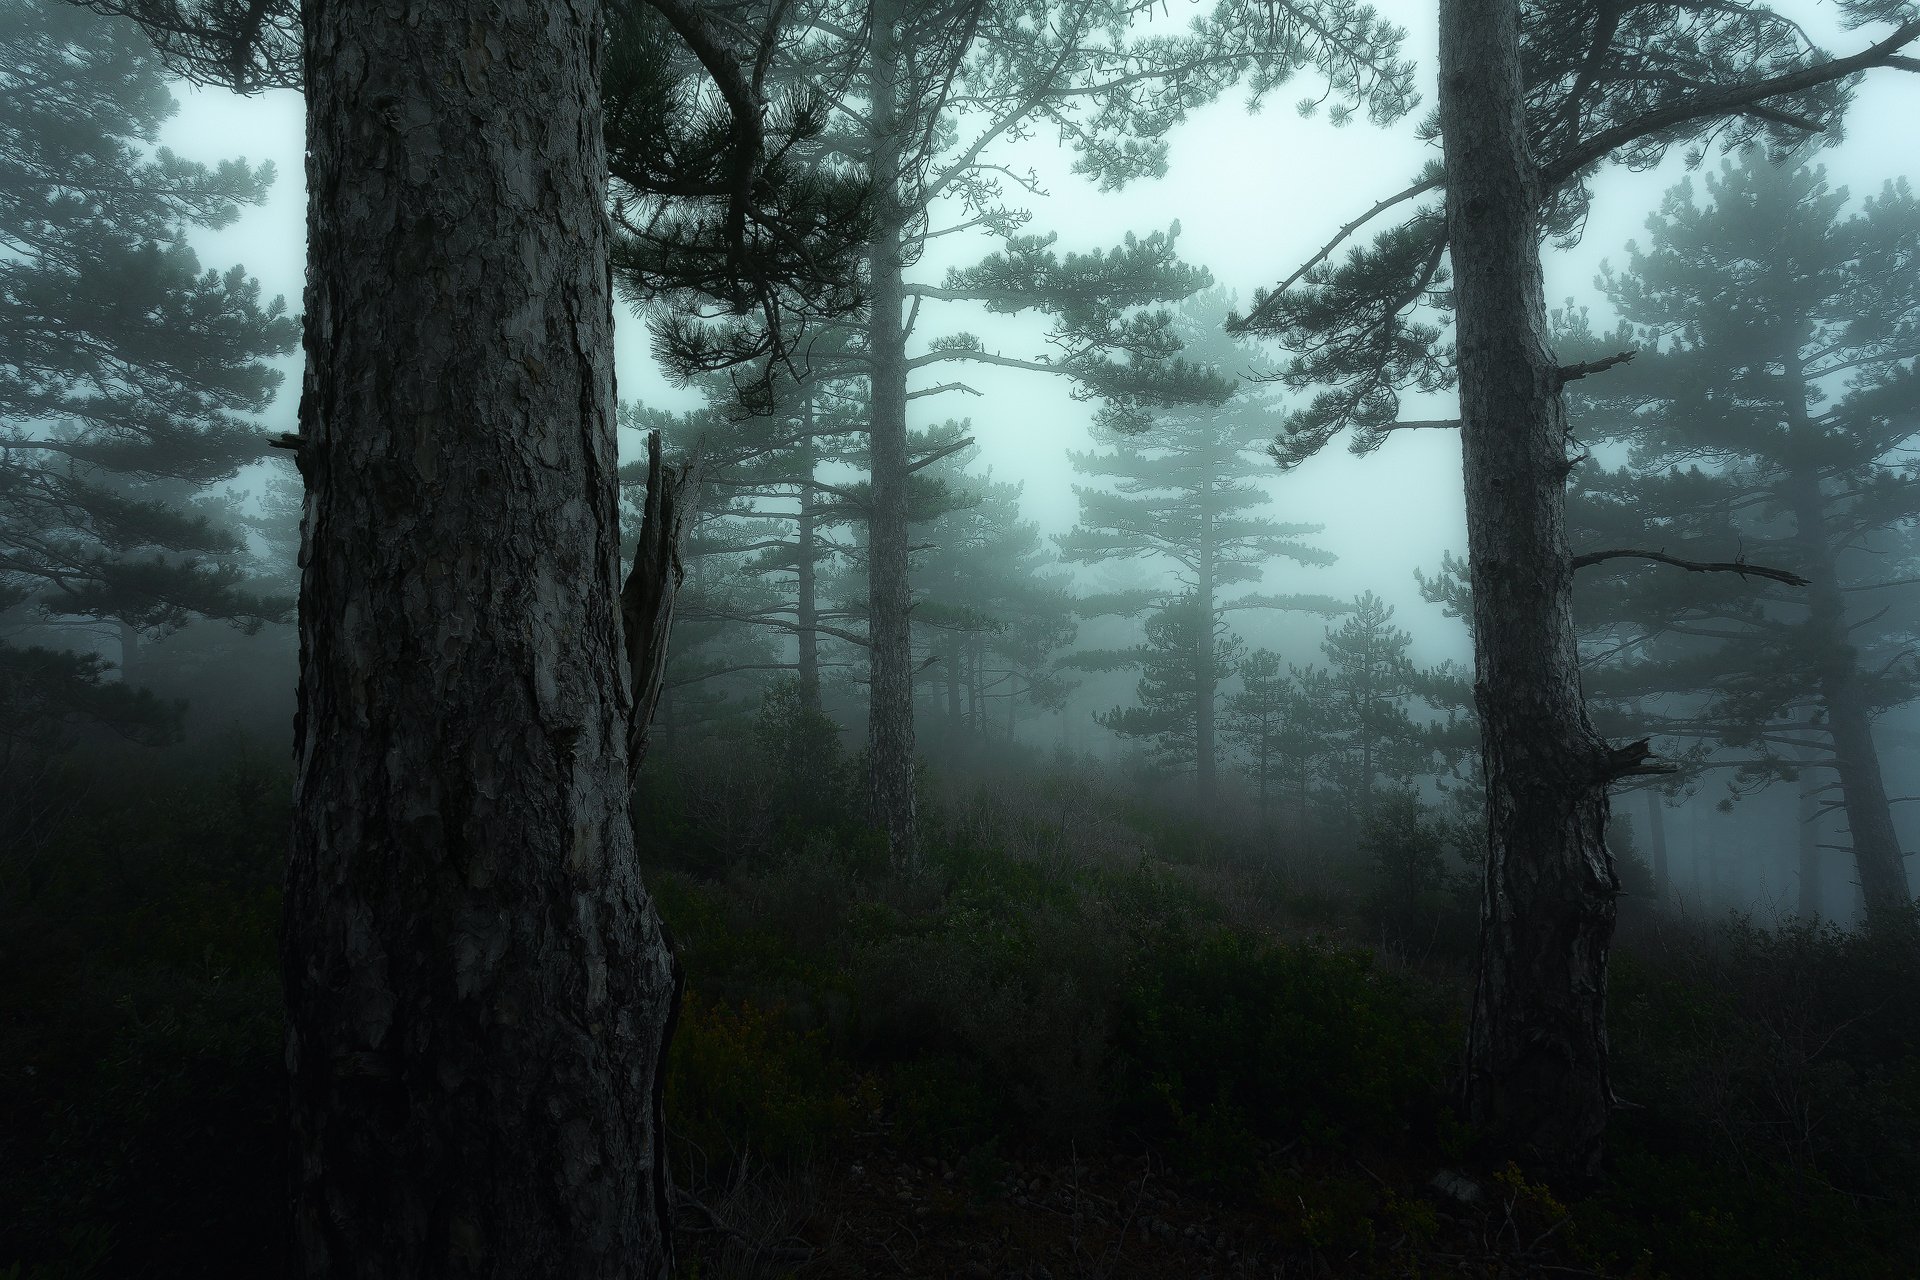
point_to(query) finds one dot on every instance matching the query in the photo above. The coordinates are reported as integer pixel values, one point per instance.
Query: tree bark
(477, 986)
(1537, 1045)
(890, 743)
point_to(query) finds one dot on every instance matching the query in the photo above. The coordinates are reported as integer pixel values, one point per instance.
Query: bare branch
(944, 387)
(1259, 313)
(1574, 372)
(942, 452)
(1741, 567)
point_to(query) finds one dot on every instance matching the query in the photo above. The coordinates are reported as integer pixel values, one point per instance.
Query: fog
(1098, 899)
(1253, 195)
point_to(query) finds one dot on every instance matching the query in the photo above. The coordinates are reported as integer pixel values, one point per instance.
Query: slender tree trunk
(1811, 906)
(1657, 842)
(477, 986)
(1203, 656)
(955, 720)
(130, 673)
(1366, 778)
(806, 609)
(976, 690)
(890, 711)
(1261, 764)
(1537, 1043)
(1876, 844)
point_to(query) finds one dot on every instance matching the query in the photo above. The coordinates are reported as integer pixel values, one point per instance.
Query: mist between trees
(815, 830)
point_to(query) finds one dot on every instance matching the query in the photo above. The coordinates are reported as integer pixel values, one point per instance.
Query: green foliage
(129, 377)
(1215, 1027)
(1781, 1135)
(141, 1079)
(813, 785)
(740, 1078)
(1776, 334)
(1039, 983)
(1413, 893)
(1187, 653)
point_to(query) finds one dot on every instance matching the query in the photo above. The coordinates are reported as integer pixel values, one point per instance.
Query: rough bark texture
(890, 744)
(1537, 1044)
(477, 987)
(1856, 759)
(646, 601)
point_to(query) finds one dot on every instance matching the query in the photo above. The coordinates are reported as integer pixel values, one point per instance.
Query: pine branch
(1261, 313)
(1726, 102)
(943, 451)
(703, 36)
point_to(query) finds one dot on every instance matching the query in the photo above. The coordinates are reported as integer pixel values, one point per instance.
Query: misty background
(1253, 196)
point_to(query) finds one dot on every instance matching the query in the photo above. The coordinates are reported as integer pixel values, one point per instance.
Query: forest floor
(1091, 1036)
(1108, 1217)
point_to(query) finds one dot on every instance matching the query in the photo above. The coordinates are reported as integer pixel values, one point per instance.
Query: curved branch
(1741, 567)
(1726, 102)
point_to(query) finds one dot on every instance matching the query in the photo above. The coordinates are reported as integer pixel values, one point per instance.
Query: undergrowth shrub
(1231, 1040)
(741, 1078)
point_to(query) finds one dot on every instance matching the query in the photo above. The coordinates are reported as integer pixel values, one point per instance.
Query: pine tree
(129, 377)
(992, 607)
(478, 988)
(1526, 112)
(1186, 656)
(762, 527)
(1374, 738)
(1183, 491)
(1777, 337)
(1283, 718)
(943, 87)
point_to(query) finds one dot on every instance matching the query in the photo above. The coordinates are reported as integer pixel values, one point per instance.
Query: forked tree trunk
(890, 744)
(1537, 1044)
(477, 988)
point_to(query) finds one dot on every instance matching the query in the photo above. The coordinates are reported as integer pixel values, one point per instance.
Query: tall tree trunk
(1657, 842)
(130, 673)
(890, 742)
(1537, 1043)
(1884, 891)
(1811, 906)
(1265, 768)
(806, 611)
(477, 987)
(976, 690)
(1203, 656)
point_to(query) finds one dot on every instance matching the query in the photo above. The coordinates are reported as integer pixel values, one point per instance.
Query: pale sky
(1254, 196)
